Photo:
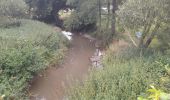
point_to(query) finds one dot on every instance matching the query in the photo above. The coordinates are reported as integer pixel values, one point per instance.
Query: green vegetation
(25, 51)
(128, 74)
(46, 10)
(154, 94)
(163, 37)
(27, 46)
(82, 19)
(12, 8)
(10, 11)
(125, 76)
(145, 16)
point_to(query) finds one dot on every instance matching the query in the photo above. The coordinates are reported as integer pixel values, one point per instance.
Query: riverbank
(57, 79)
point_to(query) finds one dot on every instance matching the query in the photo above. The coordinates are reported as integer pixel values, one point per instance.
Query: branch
(149, 40)
(133, 41)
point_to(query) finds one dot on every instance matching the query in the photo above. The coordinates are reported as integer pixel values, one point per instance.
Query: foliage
(156, 95)
(43, 8)
(17, 67)
(10, 10)
(23, 53)
(39, 8)
(13, 8)
(124, 77)
(104, 36)
(146, 16)
(164, 38)
(84, 17)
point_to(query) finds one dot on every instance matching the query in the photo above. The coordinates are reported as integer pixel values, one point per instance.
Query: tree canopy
(146, 16)
(12, 8)
(84, 15)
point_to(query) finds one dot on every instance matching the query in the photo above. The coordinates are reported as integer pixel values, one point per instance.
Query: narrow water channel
(75, 67)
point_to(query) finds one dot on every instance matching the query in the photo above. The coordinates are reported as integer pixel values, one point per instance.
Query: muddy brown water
(76, 65)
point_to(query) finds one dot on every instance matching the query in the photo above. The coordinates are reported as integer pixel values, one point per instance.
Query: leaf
(141, 98)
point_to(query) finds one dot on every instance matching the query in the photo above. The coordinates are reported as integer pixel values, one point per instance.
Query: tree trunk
(114, 7)
(100, 13)
(108, 16)
(145, 31)
(149, 40)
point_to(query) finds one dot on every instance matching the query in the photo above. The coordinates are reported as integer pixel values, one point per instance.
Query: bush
(7, 23)
(18, 65)
(123, 78)
(163, 92)
(155, 94)
(80, 23)
(104, 35)
(83, 18)
(10, 11)
(12, 8)
(164, 38)
(24, 51)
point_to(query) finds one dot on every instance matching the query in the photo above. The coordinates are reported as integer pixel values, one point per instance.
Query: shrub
(104, 35)
(12, 8)
(123, 78)
(18, 65)
(10, 11)
(164, 40)
(164, 85)
(24, 51)
(155, 94)
(80, 23)
(83, 18)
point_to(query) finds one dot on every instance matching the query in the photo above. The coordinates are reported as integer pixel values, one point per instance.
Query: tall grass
(24, 51)
(125, 76)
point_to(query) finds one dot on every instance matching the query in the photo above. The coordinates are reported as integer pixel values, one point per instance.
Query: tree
(114, 8)
(108, 16)
(84, 15)
(46, 10)
(146, 16)
(10, 11)
(12, 8)
(39, 8)
(100, 13)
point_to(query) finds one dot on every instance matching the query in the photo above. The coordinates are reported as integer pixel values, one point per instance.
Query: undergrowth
(25, 51)
(125, 76)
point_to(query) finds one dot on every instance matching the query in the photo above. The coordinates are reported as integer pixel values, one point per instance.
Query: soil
(75, 67)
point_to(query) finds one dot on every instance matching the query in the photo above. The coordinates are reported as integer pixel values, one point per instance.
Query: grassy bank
(24, 51)
(125, 76)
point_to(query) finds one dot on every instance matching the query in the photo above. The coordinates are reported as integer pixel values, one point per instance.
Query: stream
(56, 79)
